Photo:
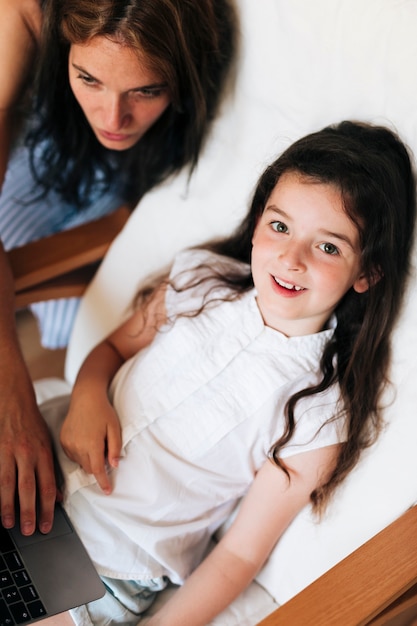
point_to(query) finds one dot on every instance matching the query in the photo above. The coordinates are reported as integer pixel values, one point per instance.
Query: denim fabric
(123, 603)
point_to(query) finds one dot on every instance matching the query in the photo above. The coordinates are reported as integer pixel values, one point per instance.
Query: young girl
(253, 370)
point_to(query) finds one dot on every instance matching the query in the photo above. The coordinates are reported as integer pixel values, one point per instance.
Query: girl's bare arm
(91, 431)
(270, 505)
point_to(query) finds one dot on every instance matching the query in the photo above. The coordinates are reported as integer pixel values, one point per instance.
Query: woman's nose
(116, 113)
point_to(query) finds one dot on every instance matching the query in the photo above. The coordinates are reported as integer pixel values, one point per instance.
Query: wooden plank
(362, 585)
(402, 611)
(47, 258)
(71, 285)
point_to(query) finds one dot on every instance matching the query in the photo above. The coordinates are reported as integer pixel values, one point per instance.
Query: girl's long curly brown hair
(372, 169)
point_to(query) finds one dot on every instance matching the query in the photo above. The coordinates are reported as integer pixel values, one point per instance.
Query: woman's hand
(26, 462)
(91, 436)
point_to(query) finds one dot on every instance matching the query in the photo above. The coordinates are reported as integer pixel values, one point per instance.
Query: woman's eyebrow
(151, 86)
(81, 69)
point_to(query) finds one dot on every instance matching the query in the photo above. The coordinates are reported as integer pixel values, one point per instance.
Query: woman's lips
(113, 136)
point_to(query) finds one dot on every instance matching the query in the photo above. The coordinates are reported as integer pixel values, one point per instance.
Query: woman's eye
(88, 80)
(279, 227)
(150, 93)
(329, 248)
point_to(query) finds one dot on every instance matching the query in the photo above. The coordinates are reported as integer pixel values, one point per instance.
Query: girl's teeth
(288, 285)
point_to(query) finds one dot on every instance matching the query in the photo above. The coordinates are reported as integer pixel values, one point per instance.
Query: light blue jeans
(122, 604)
(25, 217)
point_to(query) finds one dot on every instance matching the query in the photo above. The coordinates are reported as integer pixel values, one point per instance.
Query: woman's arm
(270, 505)
(20, 27)
(91, 430)
(25, 450)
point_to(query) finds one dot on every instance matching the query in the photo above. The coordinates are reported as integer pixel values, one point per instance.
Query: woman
(123, 97)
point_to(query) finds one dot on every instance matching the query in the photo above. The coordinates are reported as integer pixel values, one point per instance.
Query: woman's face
(120, 97)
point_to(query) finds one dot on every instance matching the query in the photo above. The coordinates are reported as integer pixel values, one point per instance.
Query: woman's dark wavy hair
(191, 44)
(372, 169)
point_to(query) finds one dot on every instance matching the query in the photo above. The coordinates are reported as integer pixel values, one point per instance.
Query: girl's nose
(117, 115)
(293, 257)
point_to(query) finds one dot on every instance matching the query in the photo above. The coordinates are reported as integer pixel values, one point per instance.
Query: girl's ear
(362, 283)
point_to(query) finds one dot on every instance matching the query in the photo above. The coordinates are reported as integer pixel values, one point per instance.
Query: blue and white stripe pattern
(24, 217)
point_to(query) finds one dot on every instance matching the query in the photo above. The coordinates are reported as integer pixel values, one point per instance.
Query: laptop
(43, 575)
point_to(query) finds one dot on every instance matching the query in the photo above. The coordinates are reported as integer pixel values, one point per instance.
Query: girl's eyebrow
(341, 237)
(275, 209)
(328, 233)
(79, 68)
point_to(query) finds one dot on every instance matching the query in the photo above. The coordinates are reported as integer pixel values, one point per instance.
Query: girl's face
(120, 97)
(305, 255)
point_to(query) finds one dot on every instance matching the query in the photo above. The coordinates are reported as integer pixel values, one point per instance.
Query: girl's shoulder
(199, 279)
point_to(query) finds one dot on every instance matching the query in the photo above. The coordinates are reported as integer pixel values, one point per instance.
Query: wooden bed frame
(375, 585)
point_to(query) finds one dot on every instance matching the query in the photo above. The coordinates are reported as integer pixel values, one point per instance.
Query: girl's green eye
(329, 248)
(279, 227)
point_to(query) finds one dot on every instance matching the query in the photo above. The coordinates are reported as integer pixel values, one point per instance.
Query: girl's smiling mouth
(287, 286)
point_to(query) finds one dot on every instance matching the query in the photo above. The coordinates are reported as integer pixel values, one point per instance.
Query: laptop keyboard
(19, 600)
